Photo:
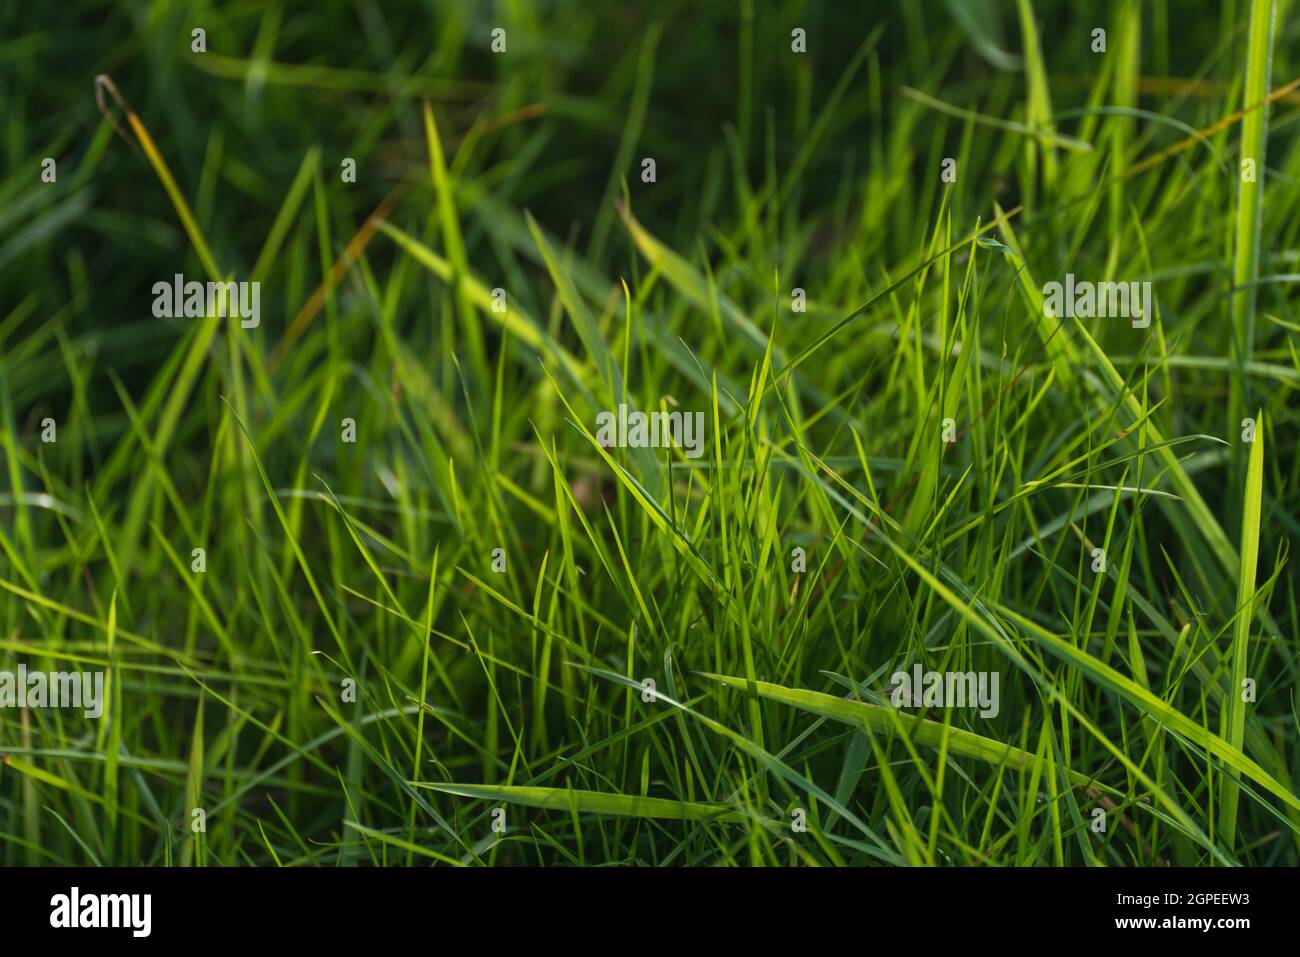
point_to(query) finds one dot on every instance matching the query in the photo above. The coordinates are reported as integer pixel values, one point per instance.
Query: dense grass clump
(370, 584)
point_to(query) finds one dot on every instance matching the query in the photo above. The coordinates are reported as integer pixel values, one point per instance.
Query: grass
(477, 635)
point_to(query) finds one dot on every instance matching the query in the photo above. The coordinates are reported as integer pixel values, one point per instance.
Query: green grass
(356, 678)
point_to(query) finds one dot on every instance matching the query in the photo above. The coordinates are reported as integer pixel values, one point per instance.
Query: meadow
(373, 581)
